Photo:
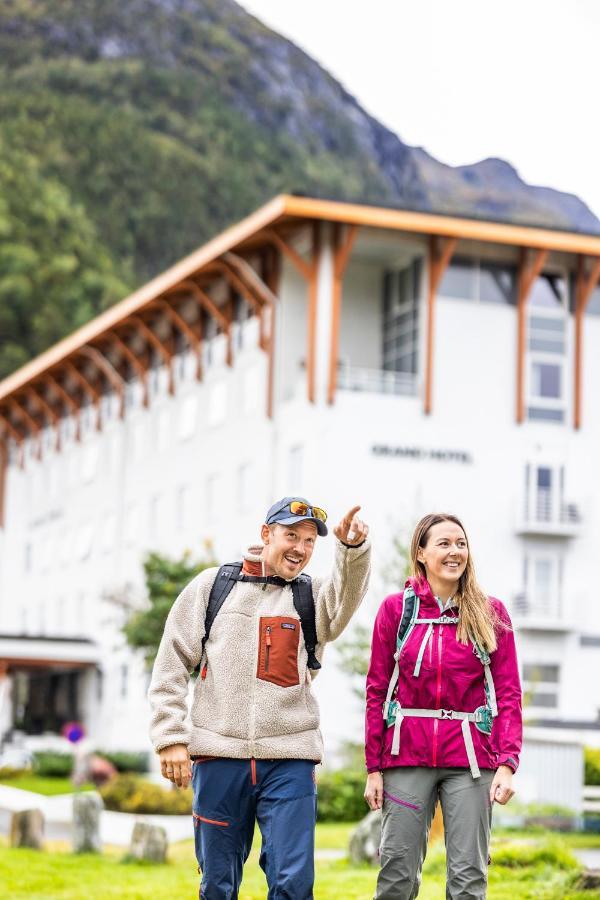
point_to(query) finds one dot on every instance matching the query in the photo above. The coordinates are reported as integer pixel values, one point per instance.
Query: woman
(444, 672)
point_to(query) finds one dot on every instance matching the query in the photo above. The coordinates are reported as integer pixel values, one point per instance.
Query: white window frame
(561, 360)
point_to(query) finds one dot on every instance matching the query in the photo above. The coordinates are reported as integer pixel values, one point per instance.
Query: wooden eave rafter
(238, 284)
(185, 328)
(530, 268)
(207, 303)
(140, 369)
(51, 415)
(343, 244)
(441, 250)
(67, 400)
(585, 285)
(9, 428)
(106, 367)
(303, 266)
(158, 345)
(88, 388)
(34, 427)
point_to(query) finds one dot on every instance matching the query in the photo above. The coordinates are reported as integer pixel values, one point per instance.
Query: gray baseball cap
(283, 513)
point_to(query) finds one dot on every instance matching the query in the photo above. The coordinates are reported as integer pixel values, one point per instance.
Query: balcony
(543, 515)
(539, 612)
(377, 381)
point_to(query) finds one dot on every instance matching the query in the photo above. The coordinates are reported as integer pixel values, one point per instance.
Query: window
(479, 280)
(187, 417)
(541, 684)
(89, 462)
(123, 681)
(252, 394)
(401, 319)
(245, 486)
(154, 516)
(295, 461)
(213, 499)
(593, 307)
(181, 506)
(28, 558)
(542, 583)
(162, 428)
(109, 528)
(85, 535)
(131, 524)
(217, 403)
(547, 350)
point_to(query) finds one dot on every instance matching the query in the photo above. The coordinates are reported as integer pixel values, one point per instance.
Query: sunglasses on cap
(299, 508)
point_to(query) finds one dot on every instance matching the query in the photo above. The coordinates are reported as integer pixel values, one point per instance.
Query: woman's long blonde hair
(477, 619)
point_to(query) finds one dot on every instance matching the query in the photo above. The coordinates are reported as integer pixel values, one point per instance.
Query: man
(254, 736)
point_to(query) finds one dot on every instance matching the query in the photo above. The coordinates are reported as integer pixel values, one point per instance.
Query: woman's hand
(374, 790)
(501, 790)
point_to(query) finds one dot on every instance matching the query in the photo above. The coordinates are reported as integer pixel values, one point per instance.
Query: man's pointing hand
(351, 530)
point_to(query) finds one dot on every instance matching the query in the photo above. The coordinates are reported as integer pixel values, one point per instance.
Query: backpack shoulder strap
(304, 604)
(219, 592)
(410, 611)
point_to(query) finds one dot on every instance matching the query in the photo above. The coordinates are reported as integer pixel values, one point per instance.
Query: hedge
(129, 793)
(125, 761)
(52, 764)
(592, 765)
(340, 796)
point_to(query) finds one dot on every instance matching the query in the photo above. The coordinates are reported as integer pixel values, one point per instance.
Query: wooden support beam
(529, 270)
(88, 388)
(303, 267)
(272, 274)
(209, 305)
(7, 427)
(3, 470)
(50, 414)
(311, 325)
(140, 369)
(34, 427)
(441, 251)
(585, 285)
(67, 400)
(158, 345)
(239, 285)
(185, 328)
(252, 278)
(343, 244)
(105, 366)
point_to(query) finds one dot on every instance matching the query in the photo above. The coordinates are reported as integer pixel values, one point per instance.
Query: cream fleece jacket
(253, 697)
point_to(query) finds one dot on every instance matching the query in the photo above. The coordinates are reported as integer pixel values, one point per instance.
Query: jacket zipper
(268, 650)
(438, 694)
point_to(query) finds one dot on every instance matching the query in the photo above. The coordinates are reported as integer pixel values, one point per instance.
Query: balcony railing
(545, 516)
(540, 611)
(377, 381)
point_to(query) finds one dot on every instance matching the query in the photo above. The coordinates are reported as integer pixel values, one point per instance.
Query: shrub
(8, 772)
(53, 764)
(340, 796)
(129, 793)
(125, 761)
(550, 853)
(592, 765)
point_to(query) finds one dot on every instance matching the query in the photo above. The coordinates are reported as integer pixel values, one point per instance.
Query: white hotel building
(409, 362)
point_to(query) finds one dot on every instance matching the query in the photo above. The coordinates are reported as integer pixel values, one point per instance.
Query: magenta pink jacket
(451, 677)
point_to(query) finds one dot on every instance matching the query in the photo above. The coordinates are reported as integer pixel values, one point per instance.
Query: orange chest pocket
(278, 640)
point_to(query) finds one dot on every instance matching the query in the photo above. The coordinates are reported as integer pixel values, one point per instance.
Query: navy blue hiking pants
(230, 795)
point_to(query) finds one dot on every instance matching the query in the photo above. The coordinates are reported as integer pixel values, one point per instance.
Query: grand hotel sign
(435, 454)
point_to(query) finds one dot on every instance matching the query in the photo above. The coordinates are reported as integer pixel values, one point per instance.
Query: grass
(40, 784)
(525, 866)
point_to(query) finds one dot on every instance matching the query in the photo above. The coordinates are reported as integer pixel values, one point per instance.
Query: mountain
(158, 122)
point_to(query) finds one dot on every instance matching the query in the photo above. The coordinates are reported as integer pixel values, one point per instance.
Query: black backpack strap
(305, 607)
(219, 592)
(407, 614)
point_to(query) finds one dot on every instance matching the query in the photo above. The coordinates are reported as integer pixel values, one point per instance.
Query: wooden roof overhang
(123, 341)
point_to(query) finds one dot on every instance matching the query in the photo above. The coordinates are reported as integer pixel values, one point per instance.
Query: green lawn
(28, 781)
(543, 870)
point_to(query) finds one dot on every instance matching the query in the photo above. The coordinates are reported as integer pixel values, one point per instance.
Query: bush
(52, 764)
(125, 761)
(592, 765)
(549, 853)
(8, 772)
(340, 796)
(128, 793)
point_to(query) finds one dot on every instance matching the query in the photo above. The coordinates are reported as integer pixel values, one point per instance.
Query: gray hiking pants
(410, 797)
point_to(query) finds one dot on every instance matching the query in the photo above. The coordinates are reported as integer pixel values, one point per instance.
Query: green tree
(165, 579)
(54, 273)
